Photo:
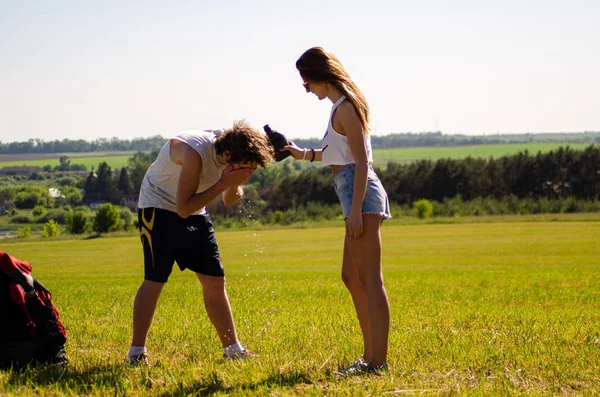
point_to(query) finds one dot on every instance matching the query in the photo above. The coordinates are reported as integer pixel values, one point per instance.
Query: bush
(107, 219)
(82, 208)
(51, 229)
(25, 200)
(73, 196)
(126, 217)
(78, 222)
(57, 214)
(21, 219)
(423, 209)
(35, 176)
(67, 181)
(39, 210)
(276, 217)
(24, 232)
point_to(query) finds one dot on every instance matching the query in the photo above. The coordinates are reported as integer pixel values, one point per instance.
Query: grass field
(478, 309)
(114, 159)
(405, 155)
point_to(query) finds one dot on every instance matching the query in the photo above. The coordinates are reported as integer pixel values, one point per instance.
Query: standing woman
(346, 148)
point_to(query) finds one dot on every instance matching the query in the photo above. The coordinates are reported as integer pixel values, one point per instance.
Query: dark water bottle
(278, 140)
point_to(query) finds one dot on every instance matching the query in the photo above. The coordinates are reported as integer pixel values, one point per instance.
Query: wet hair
(245, 145)
(321, 66)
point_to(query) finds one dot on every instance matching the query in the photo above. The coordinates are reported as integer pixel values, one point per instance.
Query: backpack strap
(23, 279)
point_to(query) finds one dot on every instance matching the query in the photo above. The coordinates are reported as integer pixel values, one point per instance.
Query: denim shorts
(376, 199)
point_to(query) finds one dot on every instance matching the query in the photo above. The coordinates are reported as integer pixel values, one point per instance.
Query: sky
(132, 69)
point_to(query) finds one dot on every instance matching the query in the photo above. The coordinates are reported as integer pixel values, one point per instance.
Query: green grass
(479, 309)
(404, 155)
(116, 161)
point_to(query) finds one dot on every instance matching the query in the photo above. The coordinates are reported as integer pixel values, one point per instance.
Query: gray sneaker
(356, 363)
(136, 361)
(362, 368)
(245, 354)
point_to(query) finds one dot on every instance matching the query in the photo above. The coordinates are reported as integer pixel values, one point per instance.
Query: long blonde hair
(321, 66)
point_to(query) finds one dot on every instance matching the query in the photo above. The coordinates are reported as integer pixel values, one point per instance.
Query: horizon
(135, 69)
(592, 133)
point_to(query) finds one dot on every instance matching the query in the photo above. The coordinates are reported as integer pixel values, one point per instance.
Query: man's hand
(236, 176)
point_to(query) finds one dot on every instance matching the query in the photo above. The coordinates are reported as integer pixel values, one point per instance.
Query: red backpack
(32, 330)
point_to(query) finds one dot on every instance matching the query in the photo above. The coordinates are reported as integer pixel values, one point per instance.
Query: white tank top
(159, 187)
(336, 150)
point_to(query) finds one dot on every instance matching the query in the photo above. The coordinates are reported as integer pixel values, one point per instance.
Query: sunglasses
(306, 85)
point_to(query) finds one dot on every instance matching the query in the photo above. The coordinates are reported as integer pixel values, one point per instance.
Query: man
(192, 170)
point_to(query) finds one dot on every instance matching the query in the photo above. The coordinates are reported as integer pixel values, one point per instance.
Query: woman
(346, 148)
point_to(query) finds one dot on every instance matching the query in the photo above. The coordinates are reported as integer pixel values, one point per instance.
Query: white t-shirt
(159, 187)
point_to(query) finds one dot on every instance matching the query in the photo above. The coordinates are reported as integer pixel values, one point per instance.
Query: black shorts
(167, 238)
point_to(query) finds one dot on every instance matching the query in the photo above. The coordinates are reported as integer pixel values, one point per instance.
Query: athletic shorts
(168, 238)
(376, 199)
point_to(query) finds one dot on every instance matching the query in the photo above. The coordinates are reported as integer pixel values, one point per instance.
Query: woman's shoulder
(347, 110)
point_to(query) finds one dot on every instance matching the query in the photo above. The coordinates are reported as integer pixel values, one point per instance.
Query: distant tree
(423, 209)
(51, 229)
(65, 164)
(138, 164)
(39, 210)
(90, 186)
(31, 196)
(78, 167)
(104, 181)
(73, 196)
(123, 184)
(24, 232)
(78, 222)
(107, 219)
(126, 217)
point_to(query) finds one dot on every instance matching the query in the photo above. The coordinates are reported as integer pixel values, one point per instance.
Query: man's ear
(227, 155)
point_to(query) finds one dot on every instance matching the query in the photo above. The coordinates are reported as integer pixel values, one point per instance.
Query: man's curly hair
(245, 145)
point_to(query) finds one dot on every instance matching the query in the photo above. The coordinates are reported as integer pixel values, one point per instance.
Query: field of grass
(491, 308)
(114, 160)
(405, 155)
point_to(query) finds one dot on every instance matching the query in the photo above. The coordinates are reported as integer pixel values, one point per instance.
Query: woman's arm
(310, 154)
(351, 126)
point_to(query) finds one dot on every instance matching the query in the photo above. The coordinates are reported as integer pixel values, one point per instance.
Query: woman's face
(319, 89)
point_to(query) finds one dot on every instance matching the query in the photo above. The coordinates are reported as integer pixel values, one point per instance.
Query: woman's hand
(297, 153)
(354, 225)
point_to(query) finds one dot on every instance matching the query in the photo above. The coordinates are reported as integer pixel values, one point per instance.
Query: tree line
(559, 173)
(562, 180)
(82, 146)
(395, 140)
